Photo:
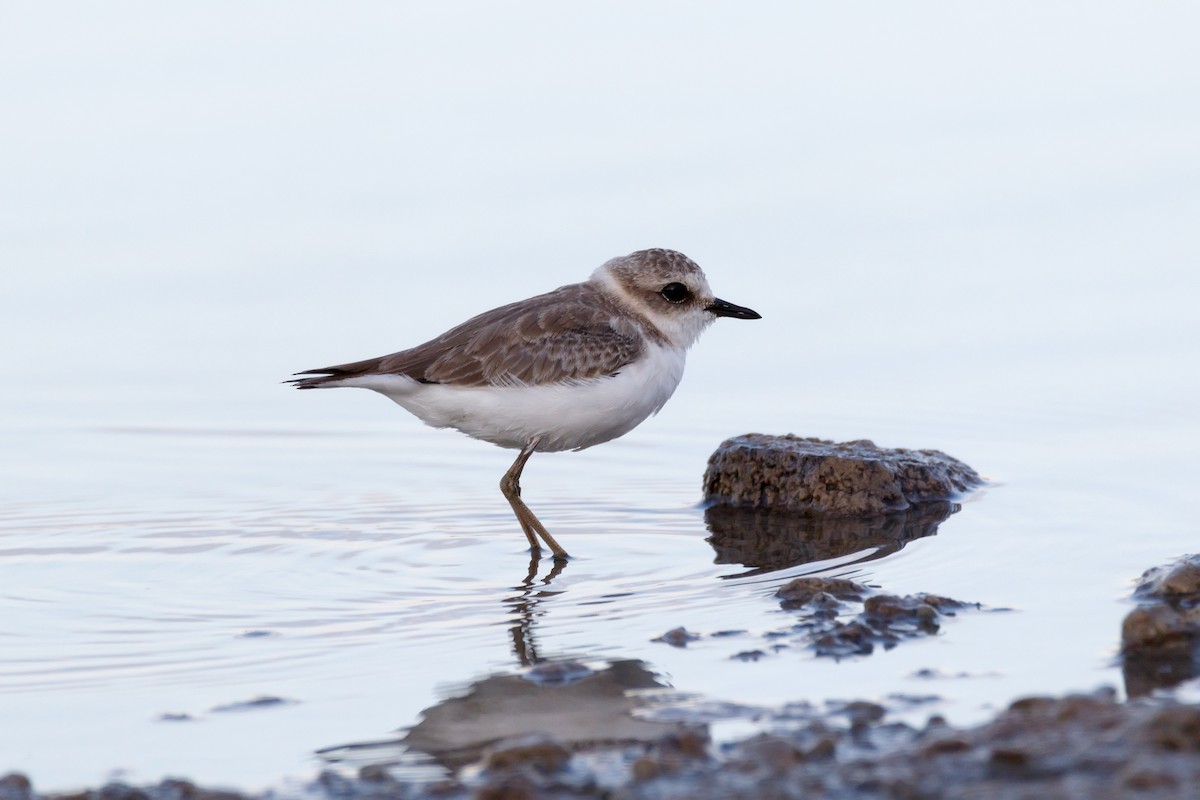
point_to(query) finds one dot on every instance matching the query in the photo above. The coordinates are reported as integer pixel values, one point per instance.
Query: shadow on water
(766, 541)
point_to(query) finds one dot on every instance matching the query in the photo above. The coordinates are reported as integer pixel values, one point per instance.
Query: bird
(565, 370)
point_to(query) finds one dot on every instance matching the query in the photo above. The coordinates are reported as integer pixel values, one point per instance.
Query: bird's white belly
(567, 416)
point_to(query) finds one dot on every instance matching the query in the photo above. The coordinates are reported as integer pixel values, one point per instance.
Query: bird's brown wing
(573, 333)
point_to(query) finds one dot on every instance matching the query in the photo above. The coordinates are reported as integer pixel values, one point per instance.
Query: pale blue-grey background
(970, 227)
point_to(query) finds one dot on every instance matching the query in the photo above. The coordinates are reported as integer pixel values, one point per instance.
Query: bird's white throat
(680, 329)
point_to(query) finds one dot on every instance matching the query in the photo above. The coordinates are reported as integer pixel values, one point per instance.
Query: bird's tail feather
(328, 377)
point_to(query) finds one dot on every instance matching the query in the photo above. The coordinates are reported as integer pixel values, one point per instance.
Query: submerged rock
(823, 477)
(677, 637)
(884, 620)
(819, 592)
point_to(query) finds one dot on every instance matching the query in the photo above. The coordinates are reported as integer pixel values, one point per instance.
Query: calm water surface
(996, 260)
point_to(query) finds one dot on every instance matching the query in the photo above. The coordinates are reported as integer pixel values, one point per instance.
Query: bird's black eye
(675, 292)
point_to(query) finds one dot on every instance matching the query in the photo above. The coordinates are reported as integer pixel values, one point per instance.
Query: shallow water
(179, 532)
(365, 603)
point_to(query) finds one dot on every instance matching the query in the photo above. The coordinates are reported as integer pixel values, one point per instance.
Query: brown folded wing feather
(572, 333)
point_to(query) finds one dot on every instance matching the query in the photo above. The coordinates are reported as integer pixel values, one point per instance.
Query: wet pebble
(257, 634)
(819, 592)
(672, 755)
(253, 704)
(677, 637)
(861, 712)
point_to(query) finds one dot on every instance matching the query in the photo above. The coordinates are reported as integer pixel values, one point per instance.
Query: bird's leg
(510, 485)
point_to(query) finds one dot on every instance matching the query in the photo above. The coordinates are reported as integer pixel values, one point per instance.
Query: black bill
(723, 309)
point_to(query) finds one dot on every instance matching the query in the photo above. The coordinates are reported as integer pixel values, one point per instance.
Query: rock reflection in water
(766, 540)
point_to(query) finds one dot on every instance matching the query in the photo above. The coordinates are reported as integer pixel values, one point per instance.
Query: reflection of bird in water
(767, 540)
(567, 701)
(565, 370)
(523, 606)
(574, 704)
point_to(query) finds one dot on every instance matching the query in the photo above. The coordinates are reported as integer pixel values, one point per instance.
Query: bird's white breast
(567, 416)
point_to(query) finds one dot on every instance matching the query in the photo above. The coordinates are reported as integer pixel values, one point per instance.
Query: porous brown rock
(822, 477)
(1160, 638)
(1177, 582)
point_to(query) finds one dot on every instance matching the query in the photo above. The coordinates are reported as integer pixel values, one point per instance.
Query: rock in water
(1160, 639)
(822, 477)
